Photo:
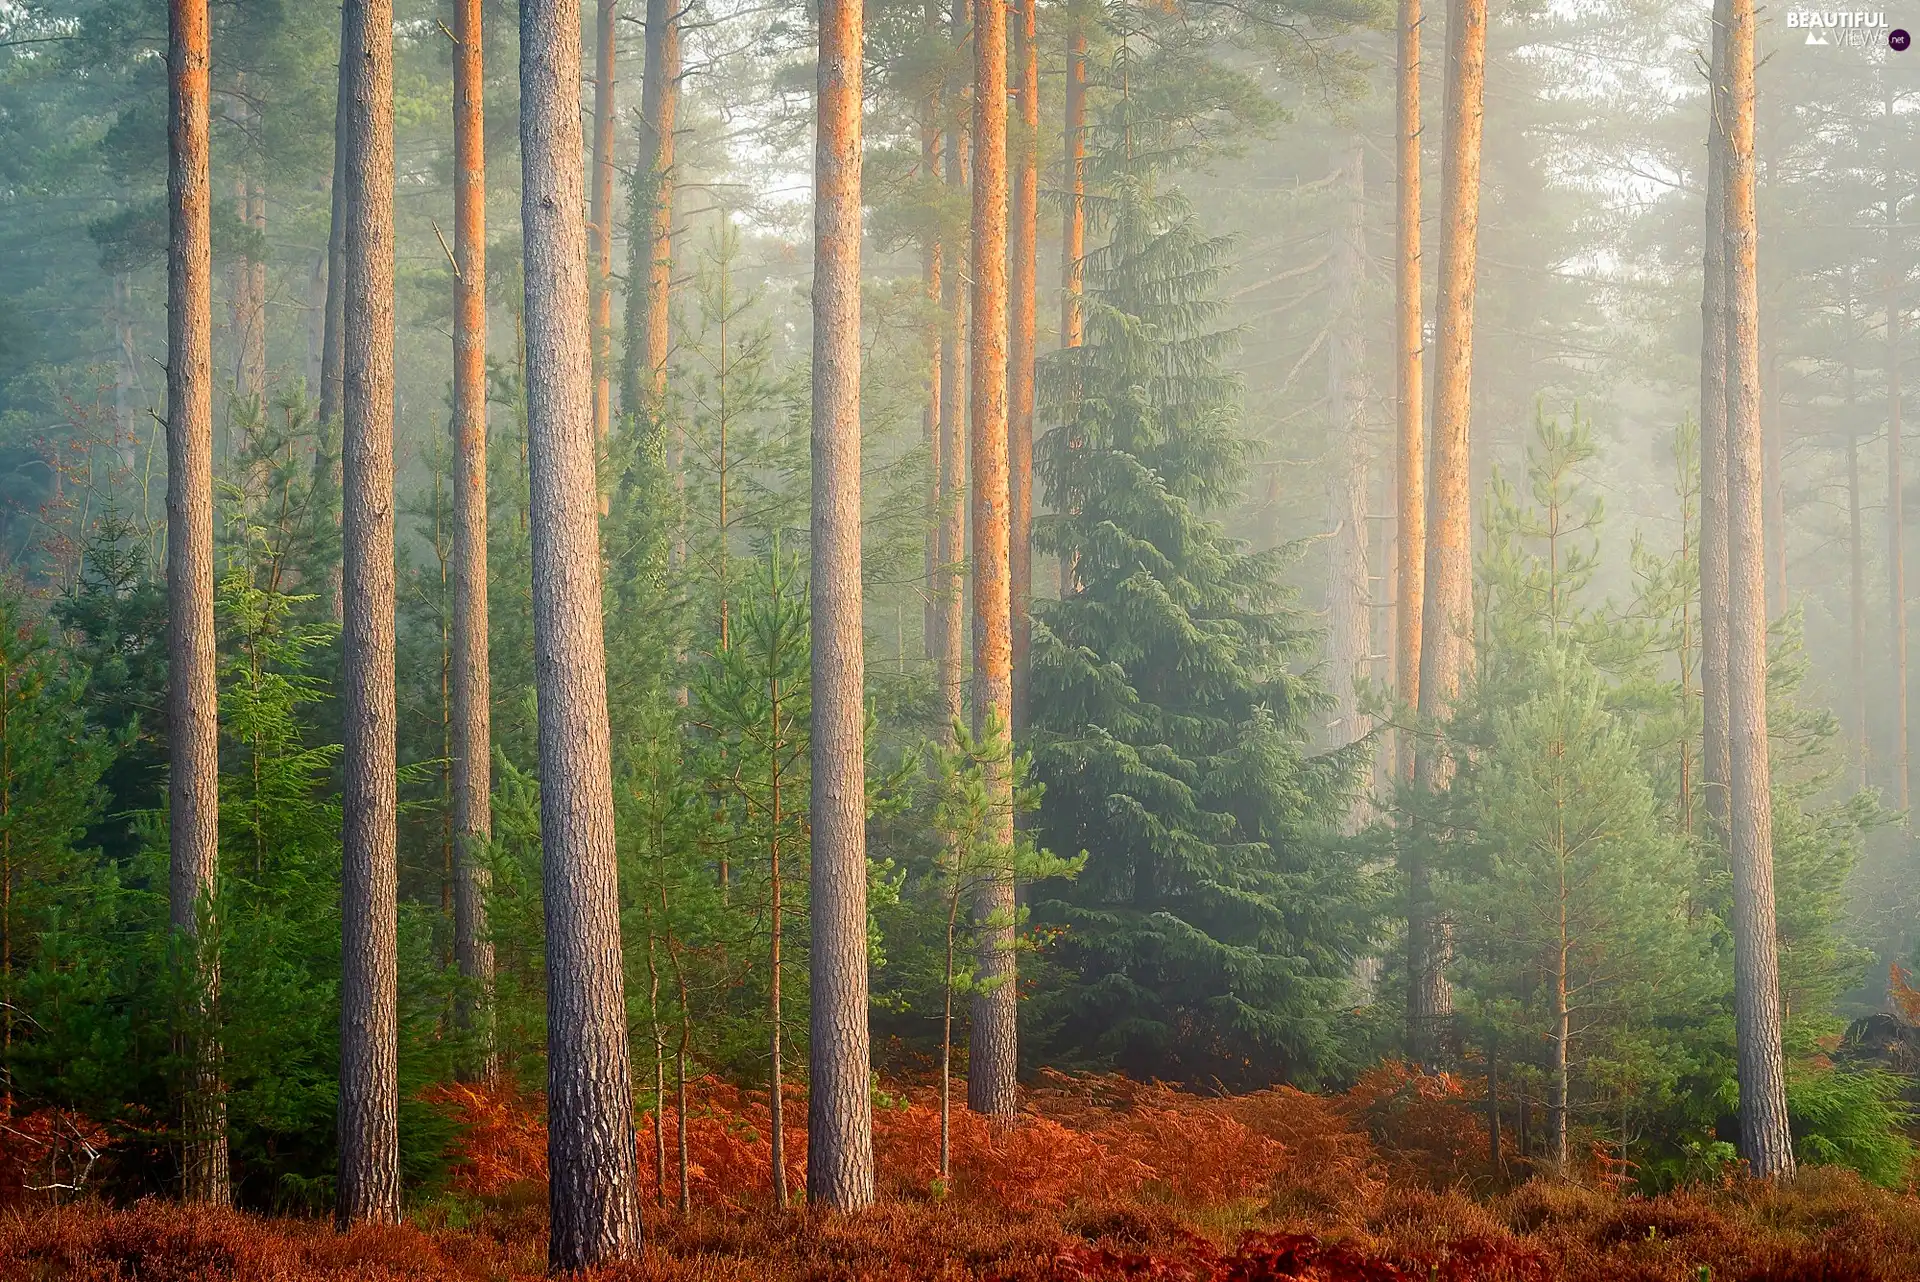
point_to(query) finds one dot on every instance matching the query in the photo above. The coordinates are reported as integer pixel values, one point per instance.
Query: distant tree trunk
(1766, 1141)
(840, 1112)
(949, 589)
(193, 728)
(993, 1057)
(1715, 749)
(650, 243)
(1409, 344)
(1856, 563)
(248, 303)
(1896, 518)
(1446, 627)
(316, 323)
(1021, 355)
(1073, 233)
(472, 681)
(932, 272)
(332, 345)
(601, 216)
(369, 1179)
(594, 1196)
(1349, 599)
(1775, 506)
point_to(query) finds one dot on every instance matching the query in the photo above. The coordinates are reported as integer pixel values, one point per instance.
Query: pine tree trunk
(1776, 498)
(333, 341)
(193, 730)
(1021, 354)
(1856, 565)
(1558, 1083)
(1073, 233)
(594, 1195)
(840, 1111)
(369, 1172)
(1715, 750)
(1349, 600)
(1410, 569)
(472, 679)
(949, 589)
(601, 216)
(1446, 626)
(650, 243)
(1766, 1142)
(993, 1058)
(1896, 519)
(932, 274)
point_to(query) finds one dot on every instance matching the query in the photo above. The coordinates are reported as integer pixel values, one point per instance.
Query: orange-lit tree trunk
(1447, 624)
(1714, 758)
(472, 683)
(594, 1194)
(993, 1048)
(1073, 230)
(600, 216)
(840, 1116)
(369, 1171)
(1410, 569)
(949, 588)
(1766, 1142)
(1021, 354)
(193, 730)
(650, 243)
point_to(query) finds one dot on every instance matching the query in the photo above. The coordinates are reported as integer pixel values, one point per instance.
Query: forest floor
(1104, 1179)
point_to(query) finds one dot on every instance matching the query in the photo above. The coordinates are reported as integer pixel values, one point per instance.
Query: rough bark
(193, 730)
(993, 1047)
(1349, 599)
(1447, 607)
(600, 216)
(1713, 446)
(1023, 278)
(650, 243)
(1410, 567)
(1766, 1141)
(369, 1171)
(840, 1111)
(594, 1195)
(949, 589)
(472, 681)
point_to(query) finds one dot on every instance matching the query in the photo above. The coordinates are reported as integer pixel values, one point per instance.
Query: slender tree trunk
(369, 1179)
(1410, 569)
(1562, 1034)
(1775, 509)
(840, 1110)
(472, 681)
(953, 421)
(1715, 749)
(1896, 518)
(193, 729)
(993, 1057)
(601, 216)
(594, 1196)
(650, 243)
(932, 273)
(332, 344)
(1765, 1138)
(1856, 566)
(1021, 354)
(1446, 627)
(1349, 598)
(1073, 232)
(776, 1068)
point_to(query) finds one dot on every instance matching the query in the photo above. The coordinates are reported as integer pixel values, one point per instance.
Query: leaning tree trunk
(1756, 988)
(1410, 569)
(1020, 359)
(994, 1045)
(472, 682)
(949, 588)
(840, 1111)
(193, 728)
(1447, 622)
(643, 381)
(600, 216)
(1349, 600)
(1715, 764)
(594, 1195)
(369, 1172)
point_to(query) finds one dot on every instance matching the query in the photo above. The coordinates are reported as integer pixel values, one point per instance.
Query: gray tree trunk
(193, 728)
(1349, 595)
(369, 1115)
(840, 1113)
(1715, 764)
(1764, 1132)
(472, 709)
(594, 1194)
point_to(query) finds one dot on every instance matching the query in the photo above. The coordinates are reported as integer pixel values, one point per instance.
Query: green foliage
(1853, 1119)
